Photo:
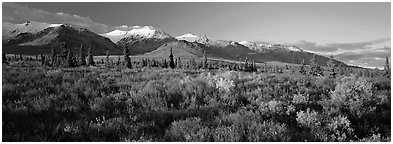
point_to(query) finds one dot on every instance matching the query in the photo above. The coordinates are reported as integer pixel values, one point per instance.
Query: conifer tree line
(66, 58)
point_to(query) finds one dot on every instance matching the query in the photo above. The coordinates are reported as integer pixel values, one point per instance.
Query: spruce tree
(164, 64)
(171, 62)
(387, 68)
(107, 58)
(90, 59)
(53, 56)
(82, 56)
(315, 69)
(118, 61)
(254, 66)
(205, 60)
(179, 65)
(70, 61)
(303, 68)
(331, 67)
(245, 68)
(42, 59)
(127, 59)
(4, 57)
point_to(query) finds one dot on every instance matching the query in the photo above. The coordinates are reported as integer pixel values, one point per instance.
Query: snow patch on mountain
(217, 43)
(55, 25)
(188, 37)
(145, 32)
(262, 46)
(11, 30)
(243, 42)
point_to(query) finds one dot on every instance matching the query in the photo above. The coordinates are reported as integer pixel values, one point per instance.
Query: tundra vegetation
(66, 97)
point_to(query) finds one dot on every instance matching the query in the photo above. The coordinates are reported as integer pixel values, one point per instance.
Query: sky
(340, 29)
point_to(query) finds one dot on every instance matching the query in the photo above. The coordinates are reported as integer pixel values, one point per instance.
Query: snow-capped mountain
(188, 37)
(216, 43)
(43, 41)
(142, 40)
(145, 32)
(261, 46)
(11, 30)
(39, 38)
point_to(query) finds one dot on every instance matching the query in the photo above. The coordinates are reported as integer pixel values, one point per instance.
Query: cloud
(13, 12)
(312, 46)
(127, 28)
(16, 13)
(365, 54)
(337, 48)
(8, 18)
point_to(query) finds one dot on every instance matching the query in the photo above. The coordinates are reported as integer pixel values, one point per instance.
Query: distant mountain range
(39, 38)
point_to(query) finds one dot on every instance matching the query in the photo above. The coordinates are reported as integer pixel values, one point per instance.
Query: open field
(100, 103)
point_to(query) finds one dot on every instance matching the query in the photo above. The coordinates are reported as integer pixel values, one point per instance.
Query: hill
(43, 41)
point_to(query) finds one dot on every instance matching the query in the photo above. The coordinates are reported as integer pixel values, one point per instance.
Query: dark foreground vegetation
(144, 102)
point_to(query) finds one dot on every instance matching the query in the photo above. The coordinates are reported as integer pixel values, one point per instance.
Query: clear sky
(310, 25)
(281, 22)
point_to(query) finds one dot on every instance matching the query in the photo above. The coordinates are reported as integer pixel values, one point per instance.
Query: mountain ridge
(44, 41)
(151, 41)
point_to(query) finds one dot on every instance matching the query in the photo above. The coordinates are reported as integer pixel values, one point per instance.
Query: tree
(70, 59)
(264, 67)
(171, 62)
(118, 61)
(90, 59)
(254, 66)
(246, 68)
(4, 57)
(205, 60)
(127, 59)
(331, 67)
(54, 55)
(192, 64)
(315, 69)
(303, 68)
(164, 64)
(64, 53)
(387, 68)
(107, 58)
(179, 65)
(42, 59)
(82, 56)
(20, 57)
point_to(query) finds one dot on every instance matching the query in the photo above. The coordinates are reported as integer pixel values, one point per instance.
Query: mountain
(39, 38)
(145, 32)
(116, 35)
(229, 49)
(11, 30)
(286, 53)
(188, 37)
(261, 46)
(144, 40)
(43, 41)
(181, 48)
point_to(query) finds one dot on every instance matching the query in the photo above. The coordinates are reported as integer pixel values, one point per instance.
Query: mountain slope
(39, 38)
(144, 40)
(230, 50)
(183, 49)
(261, 46)
(286, 53)
(11, 30)
(188, 37)
(43, 41)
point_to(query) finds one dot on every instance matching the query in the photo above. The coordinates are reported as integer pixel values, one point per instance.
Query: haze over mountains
(39, 38)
